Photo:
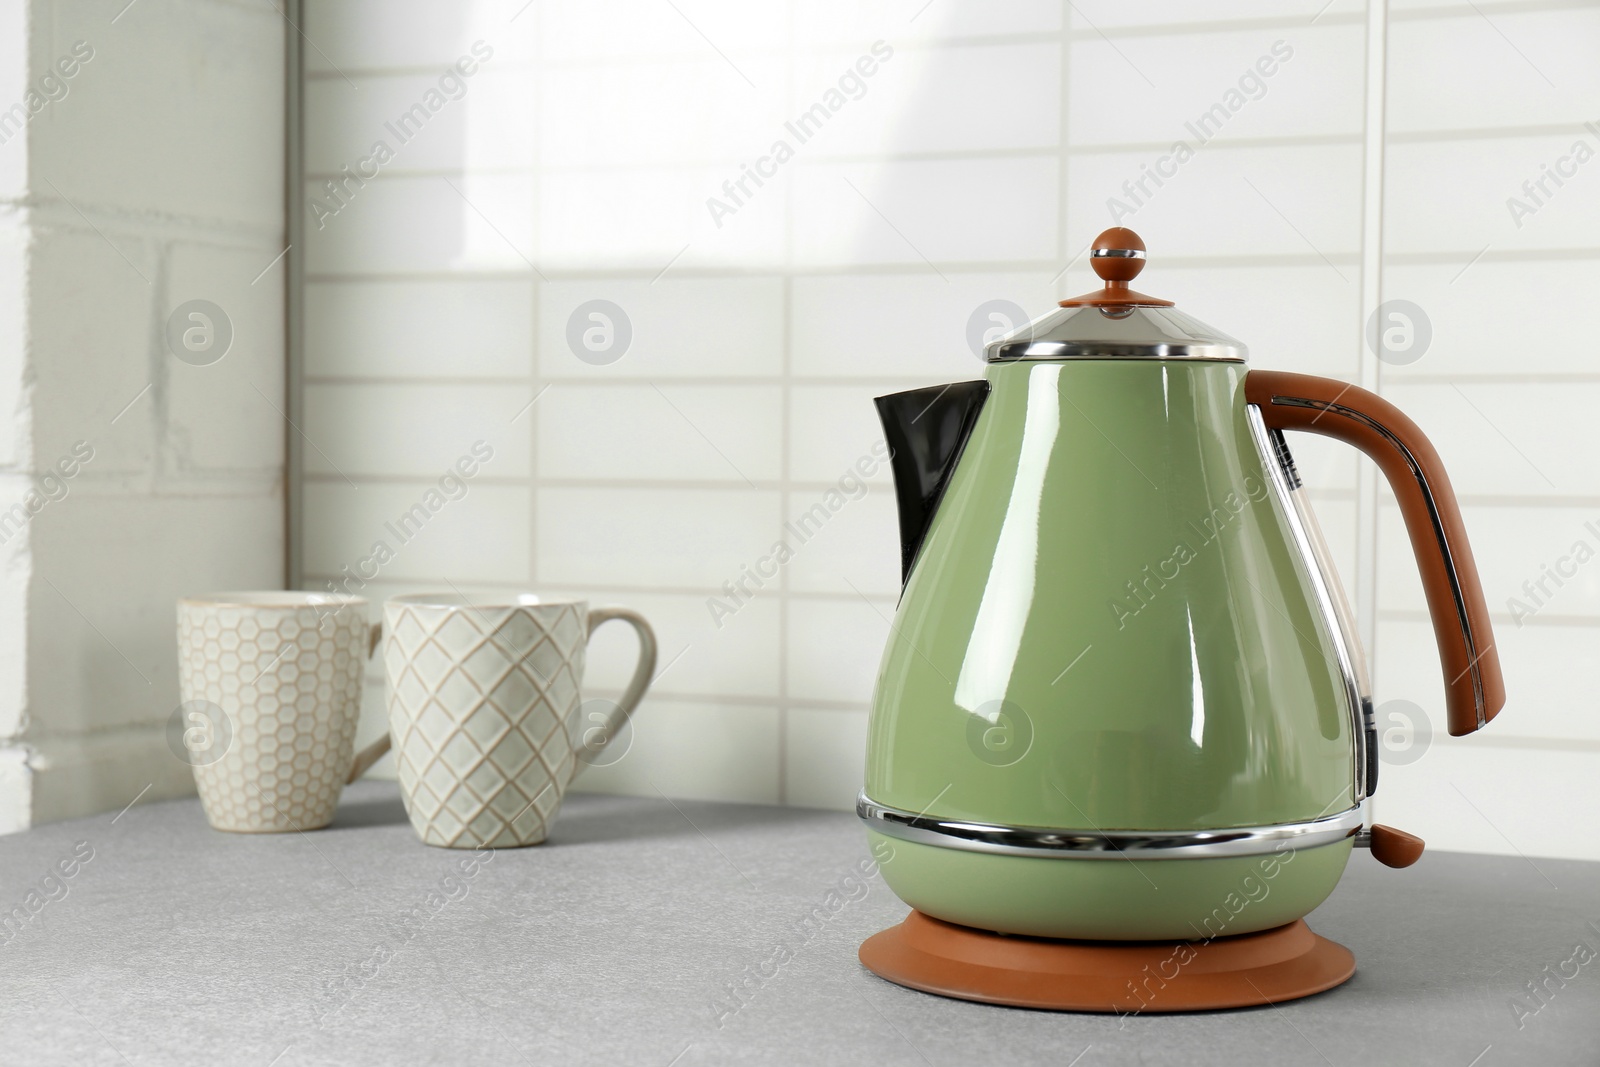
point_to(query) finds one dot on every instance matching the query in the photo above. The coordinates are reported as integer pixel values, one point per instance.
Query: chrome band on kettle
(1107, 844)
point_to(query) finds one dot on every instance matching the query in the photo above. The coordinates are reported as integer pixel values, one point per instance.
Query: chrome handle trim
(1278, 479)
(1117, 253)
(1433, 517)
(997, 840)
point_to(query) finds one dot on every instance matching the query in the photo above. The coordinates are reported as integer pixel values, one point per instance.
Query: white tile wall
(722, 327)
(392, 329)
(170, 86)
(702, 433)
(697, 750)
(1294, 80)
(354, 36)
(227, 416)
(1513, 543)
(461, 135)
(79, 388)
(1311, 325)
(1479, 797)
(13, 320)
(1452, 195)
(846, 22)
(376, 231)
(975, 163)
(1297, 13)
(738, 660)
(833, 647)
(908, 213)
(846, 555)
(617, 30)
(1513, 439)
(1553, 705)
(831, 432)
(954, 99)
(14, 77)
(482, 537)
(108, 662)
(1300, 201)
(590, 118)
(826, 755)
(157, 179)
(694, 538)
(1533, 68)
(912, 325)
(400, 429)
(1468, 344)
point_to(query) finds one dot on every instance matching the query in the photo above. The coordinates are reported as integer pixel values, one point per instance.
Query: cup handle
(643, 674)
(375, 751)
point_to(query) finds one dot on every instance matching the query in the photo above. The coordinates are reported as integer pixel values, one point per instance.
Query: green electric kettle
(1123, 685)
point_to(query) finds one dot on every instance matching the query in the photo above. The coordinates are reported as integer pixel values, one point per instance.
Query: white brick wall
(977, 165)
(155, 180)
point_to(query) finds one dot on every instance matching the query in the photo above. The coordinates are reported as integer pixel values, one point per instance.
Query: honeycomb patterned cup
(484, 702)
(281, 673)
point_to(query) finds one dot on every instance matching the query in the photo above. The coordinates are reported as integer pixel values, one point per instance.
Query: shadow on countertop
(370, 808)
(587, 818)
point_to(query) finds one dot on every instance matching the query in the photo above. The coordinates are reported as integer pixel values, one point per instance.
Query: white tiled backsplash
(974, 163)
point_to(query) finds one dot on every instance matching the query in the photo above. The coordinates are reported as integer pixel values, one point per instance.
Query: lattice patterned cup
(484, 695)
(271, 685)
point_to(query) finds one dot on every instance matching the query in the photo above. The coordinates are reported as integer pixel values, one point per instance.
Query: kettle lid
(1115, 322)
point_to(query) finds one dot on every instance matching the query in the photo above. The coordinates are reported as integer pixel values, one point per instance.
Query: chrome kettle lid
(1115, 322)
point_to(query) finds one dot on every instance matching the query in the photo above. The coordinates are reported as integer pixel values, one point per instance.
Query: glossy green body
(1108, 627)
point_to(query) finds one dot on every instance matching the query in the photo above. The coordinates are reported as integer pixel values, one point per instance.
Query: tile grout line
(294, 301)
(904, 381)
(786, 428)
(766, 270)
(659, 589)
(1064, 133)
(1222, 142)
(536, 341)
(1368, 371)
(1191, 28)
(773, 269)
(873, 381)
(645, 484)
(1340, 493)
(535, 479)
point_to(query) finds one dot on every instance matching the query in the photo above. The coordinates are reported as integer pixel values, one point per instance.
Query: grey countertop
(618, 941)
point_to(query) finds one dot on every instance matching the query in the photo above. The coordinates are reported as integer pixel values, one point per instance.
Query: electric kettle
(1123, 699)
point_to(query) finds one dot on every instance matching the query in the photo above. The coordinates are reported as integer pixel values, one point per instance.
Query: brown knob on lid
(1117, 256)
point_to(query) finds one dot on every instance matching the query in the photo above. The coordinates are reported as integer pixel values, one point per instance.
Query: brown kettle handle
(1474, 688)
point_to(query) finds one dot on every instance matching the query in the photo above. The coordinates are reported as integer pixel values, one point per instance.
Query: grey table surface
(618, 941)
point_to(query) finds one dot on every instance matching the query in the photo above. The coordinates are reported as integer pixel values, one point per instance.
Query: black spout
(926, 430)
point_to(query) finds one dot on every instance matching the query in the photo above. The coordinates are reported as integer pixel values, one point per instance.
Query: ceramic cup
(271, 690)
(484, 703)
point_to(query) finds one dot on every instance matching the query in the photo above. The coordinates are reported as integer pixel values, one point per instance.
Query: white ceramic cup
(271, 690)
(484, 696)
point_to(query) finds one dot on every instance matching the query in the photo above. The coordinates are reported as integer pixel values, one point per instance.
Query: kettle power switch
(1391, 847)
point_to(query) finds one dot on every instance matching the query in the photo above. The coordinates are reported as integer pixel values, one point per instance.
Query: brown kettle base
(1247, 970)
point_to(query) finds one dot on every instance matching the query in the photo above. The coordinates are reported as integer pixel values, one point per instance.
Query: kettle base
(1125, 977)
